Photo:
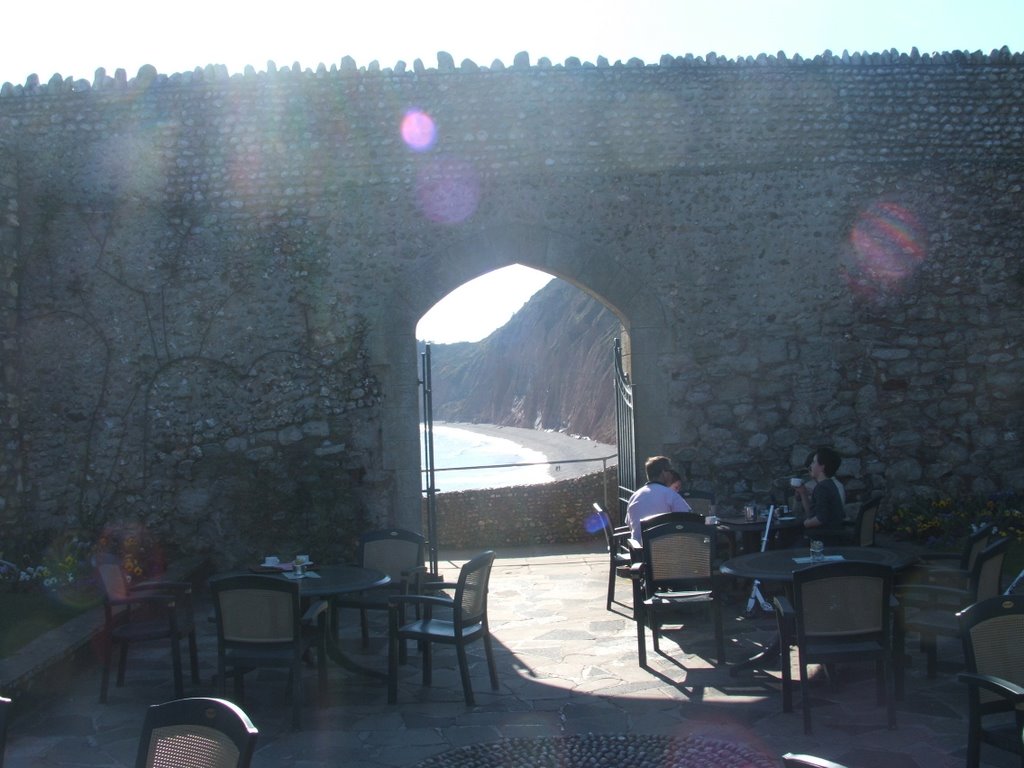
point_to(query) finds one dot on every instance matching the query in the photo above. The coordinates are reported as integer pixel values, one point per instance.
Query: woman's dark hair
(829, 459)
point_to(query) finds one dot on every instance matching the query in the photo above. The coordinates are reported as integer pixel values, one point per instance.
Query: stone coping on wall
(148, 74)
(22, 673)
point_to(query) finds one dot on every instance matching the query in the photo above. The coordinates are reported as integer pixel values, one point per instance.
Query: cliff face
(549, 367)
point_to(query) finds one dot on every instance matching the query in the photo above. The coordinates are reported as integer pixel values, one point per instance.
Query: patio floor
(567, 667)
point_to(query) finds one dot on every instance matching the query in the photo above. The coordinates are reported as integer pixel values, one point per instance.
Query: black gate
(624, 429)
(430, 489)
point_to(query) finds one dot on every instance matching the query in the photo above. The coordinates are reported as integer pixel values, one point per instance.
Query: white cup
(271, 560)
(796, 482)
(302, 560)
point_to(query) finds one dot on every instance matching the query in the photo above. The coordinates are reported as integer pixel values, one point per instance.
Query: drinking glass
(817, 550)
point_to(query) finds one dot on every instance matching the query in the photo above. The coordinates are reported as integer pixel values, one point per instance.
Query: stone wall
(211, 283)
(560, 512)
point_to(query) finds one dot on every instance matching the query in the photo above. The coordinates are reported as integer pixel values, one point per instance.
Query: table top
(742, 524)
(779, 564)
(338, 580)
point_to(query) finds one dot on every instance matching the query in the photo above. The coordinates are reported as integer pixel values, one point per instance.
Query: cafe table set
(325, 582)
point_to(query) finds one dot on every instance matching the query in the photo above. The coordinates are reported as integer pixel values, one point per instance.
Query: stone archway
(583, 265)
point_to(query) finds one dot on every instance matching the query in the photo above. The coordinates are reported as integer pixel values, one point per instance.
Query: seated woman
(824, 507)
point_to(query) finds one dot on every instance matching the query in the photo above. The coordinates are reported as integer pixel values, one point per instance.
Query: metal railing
(603, 459)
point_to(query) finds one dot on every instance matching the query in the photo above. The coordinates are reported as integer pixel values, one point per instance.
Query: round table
(340, 580)
(778, 565)
(327, 581)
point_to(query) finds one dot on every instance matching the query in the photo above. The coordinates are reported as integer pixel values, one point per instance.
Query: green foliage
(945, 521)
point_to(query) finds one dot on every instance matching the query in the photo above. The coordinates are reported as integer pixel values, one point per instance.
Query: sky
(74, 39)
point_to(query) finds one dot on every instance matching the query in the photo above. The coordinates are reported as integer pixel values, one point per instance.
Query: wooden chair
(398, 553)
(840, 613)
(863, 533)
(701, 502)
(260, 624)
(675, 574)
(145, 612)
(468, 624)
(931, 610)
(992, 632)
(615, 538)
(953, 569)
(196, 733)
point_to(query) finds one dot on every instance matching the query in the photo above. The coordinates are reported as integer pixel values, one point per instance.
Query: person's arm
(678, 504)
(804, 497)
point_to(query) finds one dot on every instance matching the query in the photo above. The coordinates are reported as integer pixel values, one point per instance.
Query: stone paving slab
(567, 666)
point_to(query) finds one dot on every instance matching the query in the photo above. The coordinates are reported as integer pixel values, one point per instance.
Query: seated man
(824, 507)
(655, 497)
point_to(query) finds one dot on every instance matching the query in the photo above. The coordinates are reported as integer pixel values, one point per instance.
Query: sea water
(454, 447)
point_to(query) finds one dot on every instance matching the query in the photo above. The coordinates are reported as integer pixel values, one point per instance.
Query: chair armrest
(783, 607)
(930, 596)
(937, 556)
(395, 600)
(636, 571)
(170, 587)
(146, 599)
(1004, 688)
(635, 549)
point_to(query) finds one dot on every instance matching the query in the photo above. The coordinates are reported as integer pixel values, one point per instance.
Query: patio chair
(675, 575)
(5, 709)
(145, 612)
(398, 553)
(789, 760)
(840, 613)
(260, 624)
(953, 569)
(701, 502)
(618, 554)
(468, 624)
(196, 733)
(991, 631)
(931, 610)
(859, 532)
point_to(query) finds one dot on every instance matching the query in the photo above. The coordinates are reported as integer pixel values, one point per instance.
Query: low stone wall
(551, 513)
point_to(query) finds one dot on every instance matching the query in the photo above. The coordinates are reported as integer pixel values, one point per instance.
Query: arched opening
(521, 391)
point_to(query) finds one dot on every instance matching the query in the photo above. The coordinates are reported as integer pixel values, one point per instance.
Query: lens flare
(447, 190)
(889, 245)
(593, 523)
(418, 130)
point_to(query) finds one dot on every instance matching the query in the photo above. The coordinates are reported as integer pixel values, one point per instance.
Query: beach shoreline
(558, 447)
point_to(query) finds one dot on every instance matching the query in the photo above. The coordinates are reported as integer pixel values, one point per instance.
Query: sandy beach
(557, 446)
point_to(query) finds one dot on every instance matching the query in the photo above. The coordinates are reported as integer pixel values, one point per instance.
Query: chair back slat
(394, 551)
(986, 575)
(471, 591)
(115, 586)
(843, 599)
(191, 746)
(678, 555)
(842, 606)
(975, 545)
(999, 649)
(196, 733)
(257, 616)
(866, 522)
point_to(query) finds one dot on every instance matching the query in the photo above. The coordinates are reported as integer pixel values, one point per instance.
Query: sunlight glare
(475, 309)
